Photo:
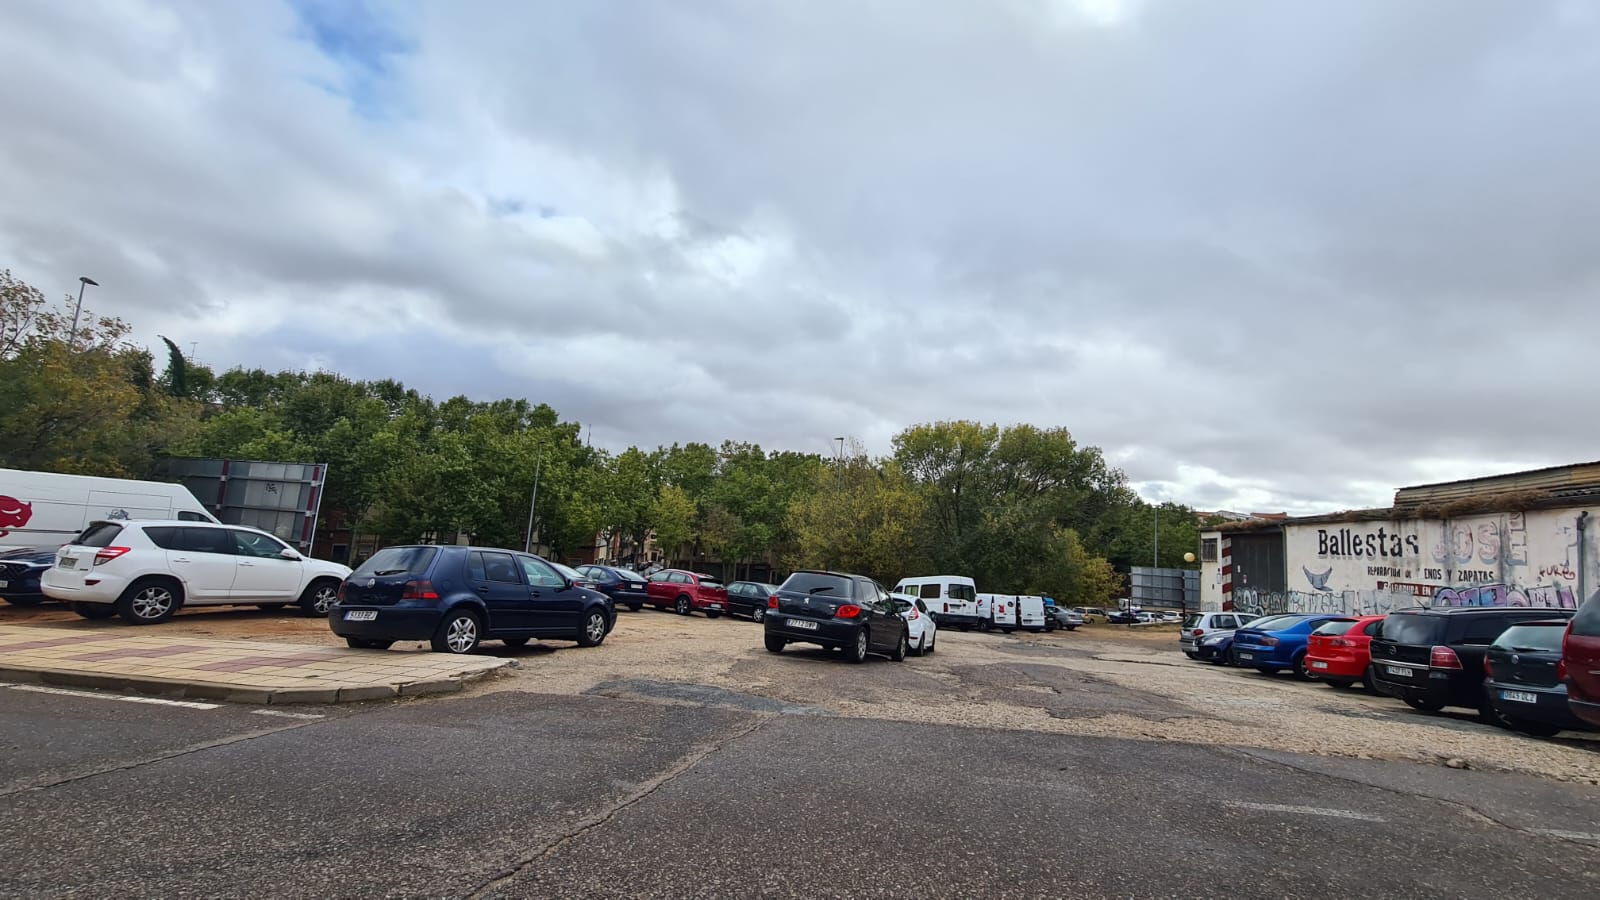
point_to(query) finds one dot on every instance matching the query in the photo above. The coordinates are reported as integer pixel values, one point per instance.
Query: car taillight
(848, 611)
(1199, 632)
(915, 615)
(1561, 670)
(772, 602)
(1443, 658)
(341, 592)
(1338, 642)
(419, 590)
(1488, 667)
(1269, 642)
(107, 554)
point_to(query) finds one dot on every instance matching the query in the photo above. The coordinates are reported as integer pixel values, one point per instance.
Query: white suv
(145, 571)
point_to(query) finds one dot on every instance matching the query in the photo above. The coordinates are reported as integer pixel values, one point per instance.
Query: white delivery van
(1030, 613)
(43, 509)
(951, 599)
(1002, 609)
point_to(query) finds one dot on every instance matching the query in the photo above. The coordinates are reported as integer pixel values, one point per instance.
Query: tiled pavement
(134, 659)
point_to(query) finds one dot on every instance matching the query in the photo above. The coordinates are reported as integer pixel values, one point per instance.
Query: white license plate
(1519, 696)
(1247, 656)
(360, 615)
(1318, 664)
(1399, 670)
(5, 584)
(802, 623)
(714, 606)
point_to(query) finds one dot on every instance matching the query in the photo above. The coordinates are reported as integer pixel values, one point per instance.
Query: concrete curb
(194, 690)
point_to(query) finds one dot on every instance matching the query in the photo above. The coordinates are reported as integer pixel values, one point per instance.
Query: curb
(178, 689)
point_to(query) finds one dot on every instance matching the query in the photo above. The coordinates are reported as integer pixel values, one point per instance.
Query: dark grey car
(852, 613)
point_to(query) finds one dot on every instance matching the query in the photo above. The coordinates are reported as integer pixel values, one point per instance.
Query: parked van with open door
(44, 509)
(1002, 612)
(1030, 613)
(952, 599)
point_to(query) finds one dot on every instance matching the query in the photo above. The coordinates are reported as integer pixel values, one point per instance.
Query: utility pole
(527, 546)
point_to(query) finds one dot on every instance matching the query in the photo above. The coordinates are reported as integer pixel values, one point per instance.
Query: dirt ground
(1101, 680)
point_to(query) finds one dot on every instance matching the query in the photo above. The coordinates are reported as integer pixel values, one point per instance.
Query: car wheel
(758, 615)
(271, 607)
(1537, 729)
(1191, 654)
(713, 614)
(368, 644)
(932, 641)
(857, 653)
(1342, 684)
(1423, 705)
(594, 629)
(775, 644)
(922, 644)
(24, 601)
(1369, 680)
(515, 643)
(682, 607)
(1300, 671)
(94, 610)
(635, 607)
(150, 601)
(1266, 670)
(320, 597)
(459, 633)
(901, 647)
(1492, 715)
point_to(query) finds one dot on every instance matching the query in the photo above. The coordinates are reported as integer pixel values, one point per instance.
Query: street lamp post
(83, 282)
(841, 446)
(533, 503)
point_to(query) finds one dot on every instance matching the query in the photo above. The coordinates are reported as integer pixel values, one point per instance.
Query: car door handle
(246, 562)
(482, 589)
(533, 593)
(180, 559)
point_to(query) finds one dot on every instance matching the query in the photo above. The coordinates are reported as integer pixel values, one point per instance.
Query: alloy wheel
(462, 634)
(597, 627)
(323, 599)
(152, 602)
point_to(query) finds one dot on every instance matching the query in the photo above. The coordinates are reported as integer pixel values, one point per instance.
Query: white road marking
(65, 692)
(1571, 835)
(1305, 810)
(285, 715)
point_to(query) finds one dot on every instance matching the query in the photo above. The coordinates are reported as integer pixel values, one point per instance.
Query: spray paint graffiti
(1383, 602)
(1507, 595)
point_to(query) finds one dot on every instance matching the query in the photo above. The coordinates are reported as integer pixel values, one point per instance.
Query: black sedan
(750, 598)
(20, 568)
(1521, 685)
(852, 613)
(623, 586)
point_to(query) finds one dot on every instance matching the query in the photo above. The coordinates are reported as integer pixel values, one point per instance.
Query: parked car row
(1530, 669)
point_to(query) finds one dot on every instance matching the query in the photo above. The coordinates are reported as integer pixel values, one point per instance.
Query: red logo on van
(13, 514)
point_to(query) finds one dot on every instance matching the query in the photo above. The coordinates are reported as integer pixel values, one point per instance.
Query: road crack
(601, 818)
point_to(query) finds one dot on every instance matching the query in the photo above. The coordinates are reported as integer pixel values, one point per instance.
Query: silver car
(1198, 625)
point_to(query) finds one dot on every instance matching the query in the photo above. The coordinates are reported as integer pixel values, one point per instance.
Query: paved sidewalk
(134, 659)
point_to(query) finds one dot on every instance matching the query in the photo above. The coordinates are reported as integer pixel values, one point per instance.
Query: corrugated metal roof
(1577, 480)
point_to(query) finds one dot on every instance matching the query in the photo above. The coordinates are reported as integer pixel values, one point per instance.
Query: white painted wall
(1211, 575)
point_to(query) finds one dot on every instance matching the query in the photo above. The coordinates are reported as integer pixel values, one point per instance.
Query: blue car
(1277, 642)
(20, 568)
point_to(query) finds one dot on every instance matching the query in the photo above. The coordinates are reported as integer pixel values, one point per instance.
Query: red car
(684, 592)
(1338, 652)
(1580, 657)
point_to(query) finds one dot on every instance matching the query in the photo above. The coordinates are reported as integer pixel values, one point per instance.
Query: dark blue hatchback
(455, 597)
(20, 568)
(1277, 642)
(623, 586)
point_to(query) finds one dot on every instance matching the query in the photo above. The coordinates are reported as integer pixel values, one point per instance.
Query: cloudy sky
(1267, 255)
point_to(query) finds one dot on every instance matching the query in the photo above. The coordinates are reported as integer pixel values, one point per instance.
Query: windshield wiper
(818, 590)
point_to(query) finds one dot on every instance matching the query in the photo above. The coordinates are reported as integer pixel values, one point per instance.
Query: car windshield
(1412, 628)
(571, 573)
(627, 574)
(1277, 623)
(818, 583)
(1337, 626)
(398, 561)
(899, 605)
(1531, 637)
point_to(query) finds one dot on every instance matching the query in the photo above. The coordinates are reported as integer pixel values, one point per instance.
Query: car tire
(713, 614)
(24, 601)
(1191, 654)
(150, 601)
(320, 596)
(1536, 729)
(775, 644)
(901, 648)
(515, 643)
(922, 645)
(593, 631)
(1423, 705)
(1491, 715)
(681, 606)
(635, 607)
(368, 643)
(1072, 628)
(271, 607)
(1343, 684)
(933, 642)
(758, 615)
(1007, 630)
(459, 633)
(1369, 680)
(857, 652)
(1301, 673)
(94, 610)
(1266, 670)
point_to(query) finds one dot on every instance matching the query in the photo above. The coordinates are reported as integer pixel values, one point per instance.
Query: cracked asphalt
(680, 760)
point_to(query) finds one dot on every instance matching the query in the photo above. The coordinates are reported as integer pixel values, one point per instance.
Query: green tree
(864, 516)
(672, 517)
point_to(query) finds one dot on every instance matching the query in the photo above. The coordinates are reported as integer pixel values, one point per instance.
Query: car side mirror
(290, 554)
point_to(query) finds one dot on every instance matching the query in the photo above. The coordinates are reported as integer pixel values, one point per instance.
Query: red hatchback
(684, 592)
(1580, 657)
(1339, 651)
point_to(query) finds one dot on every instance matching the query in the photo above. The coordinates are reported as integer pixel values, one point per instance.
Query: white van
(1030, 613)
(1001, 610)
(43, 509)
(951, 599)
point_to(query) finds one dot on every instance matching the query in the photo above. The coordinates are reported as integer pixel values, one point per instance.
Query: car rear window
(1337, 626)
(1192, 620)
(818, 583)
(899, 605)
(1531, 637)
(965, 592)
(1587, 621)
(929, 591)
(1412, 628)
(708, 582)
(100, 534)
(398, 561)
(1273, 623)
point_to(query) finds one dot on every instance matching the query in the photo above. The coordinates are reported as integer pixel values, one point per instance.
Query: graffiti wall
(1508, 559)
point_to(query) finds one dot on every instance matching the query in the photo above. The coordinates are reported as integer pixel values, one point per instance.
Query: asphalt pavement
(511, 794)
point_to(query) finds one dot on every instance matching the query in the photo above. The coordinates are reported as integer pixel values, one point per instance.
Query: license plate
(360, 615)
(1318, 664)
(802, 623)
(1519, 696)
(1247, 656)
(715, 606)
(5, 584)
(1399, 670)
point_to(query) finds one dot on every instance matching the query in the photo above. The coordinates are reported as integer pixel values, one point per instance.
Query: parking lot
(1099, 681)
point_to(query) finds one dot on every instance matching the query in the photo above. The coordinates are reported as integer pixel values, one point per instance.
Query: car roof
(1477, 610)
(1554, 623)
